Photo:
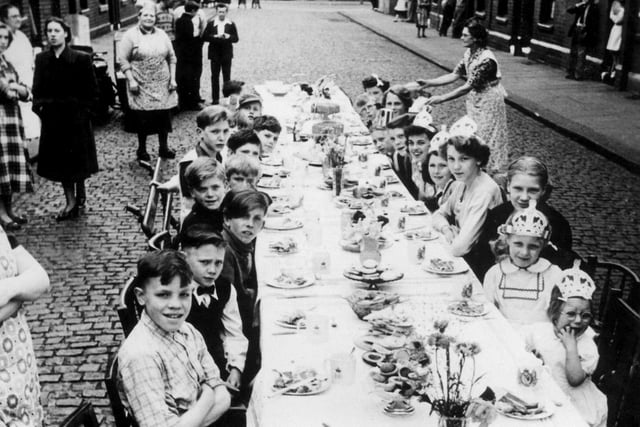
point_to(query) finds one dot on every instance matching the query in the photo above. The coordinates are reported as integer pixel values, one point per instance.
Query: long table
(425, 295)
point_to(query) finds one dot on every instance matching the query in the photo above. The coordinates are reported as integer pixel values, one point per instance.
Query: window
(84, 5)
(480, 5)
(73, 8)
(547, 10)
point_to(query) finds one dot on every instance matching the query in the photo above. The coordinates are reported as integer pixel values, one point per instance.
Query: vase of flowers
(454, 369)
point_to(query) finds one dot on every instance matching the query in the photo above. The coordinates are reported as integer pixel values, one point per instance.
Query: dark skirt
(151, 122)
(67, 150)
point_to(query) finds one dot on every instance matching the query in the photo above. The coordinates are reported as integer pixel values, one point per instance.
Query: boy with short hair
(250, 107)
(268, 130)
(166, 375)
(242, 172)
(213, 132)
(245, 142)
(206, 184)
(214, 309)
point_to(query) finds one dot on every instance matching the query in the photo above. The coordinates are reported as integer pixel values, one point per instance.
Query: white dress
(401, 6)
(586, 397)
(20, 55)
(615, 36)
(521, 295)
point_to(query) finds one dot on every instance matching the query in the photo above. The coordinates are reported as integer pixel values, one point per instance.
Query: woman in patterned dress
(147, 58)
(485, 100)
(21, 279)
(14, 171)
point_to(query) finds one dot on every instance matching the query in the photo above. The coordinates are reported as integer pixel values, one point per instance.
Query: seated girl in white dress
(566, 345)
(520, 283)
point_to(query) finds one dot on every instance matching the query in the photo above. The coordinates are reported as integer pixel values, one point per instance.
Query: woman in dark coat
(64, 91)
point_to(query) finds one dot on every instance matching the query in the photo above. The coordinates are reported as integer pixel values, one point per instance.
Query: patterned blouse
(480, 68)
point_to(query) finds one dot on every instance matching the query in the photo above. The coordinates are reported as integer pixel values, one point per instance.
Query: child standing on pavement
(566, 344)
(166, 374)
(422, 16)
(520, 283)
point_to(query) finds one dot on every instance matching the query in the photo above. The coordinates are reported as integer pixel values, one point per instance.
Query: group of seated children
(513, 240)
(200, 300)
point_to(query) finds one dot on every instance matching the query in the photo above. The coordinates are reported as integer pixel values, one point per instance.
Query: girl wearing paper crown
(566, 345)
(520, 284)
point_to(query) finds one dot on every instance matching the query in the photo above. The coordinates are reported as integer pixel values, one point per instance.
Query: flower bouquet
(450, 397)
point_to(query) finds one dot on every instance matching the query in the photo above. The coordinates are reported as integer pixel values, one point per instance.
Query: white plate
(323, 387)
(452, 308)
(284, 324)
(541, 416)
(280, 224)
(268, 184)
(458, 268)
(308, 281)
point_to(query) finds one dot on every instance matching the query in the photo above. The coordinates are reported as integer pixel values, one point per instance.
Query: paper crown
(425, 120)
(465, 126)
(529, 222)
(576, 283)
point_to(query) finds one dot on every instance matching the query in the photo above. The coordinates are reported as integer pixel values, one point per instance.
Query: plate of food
(353, 245)
(445, 266)
(300, 382)
(363, 302)
(424, 235)
(466, 308)
(512, 406)
(398, 408)
(282, 173)
(286, 245)
(415, 209)
(269, 183)
(271, 161)
(279, 209)
(373, 275)
(349, 202)
(294, 320)
(282, 224)
(289, 280)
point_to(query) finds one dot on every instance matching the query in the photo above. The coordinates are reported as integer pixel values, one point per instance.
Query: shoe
(10, 225)
(18, 219)
(569, 77)
(143, 156)
(167, 154)
(81, 202)
(66, 215)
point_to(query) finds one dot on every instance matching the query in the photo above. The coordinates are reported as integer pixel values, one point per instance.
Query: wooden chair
(83, 416)
(128, 308)
(120, 414)
(618, 372)
(607, 277)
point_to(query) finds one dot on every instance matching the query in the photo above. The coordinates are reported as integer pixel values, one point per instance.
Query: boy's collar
(204, 152)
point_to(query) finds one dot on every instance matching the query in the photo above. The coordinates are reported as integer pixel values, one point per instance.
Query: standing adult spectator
(221, 34)
(14, 172)
(584, 35)
(485, 94)
(165, 20)
(22, 279)
(148, 61)
(614, 42)
(460, 16)
(64, 91)
(189, 55)
(20, 55)
(448, 8)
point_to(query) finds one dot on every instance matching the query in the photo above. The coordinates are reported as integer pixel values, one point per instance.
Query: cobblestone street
(76, 329)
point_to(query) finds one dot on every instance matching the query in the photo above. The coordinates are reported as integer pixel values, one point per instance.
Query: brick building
(104, 15)
(542, 25)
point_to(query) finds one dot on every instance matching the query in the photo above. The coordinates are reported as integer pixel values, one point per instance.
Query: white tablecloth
(427, 295)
